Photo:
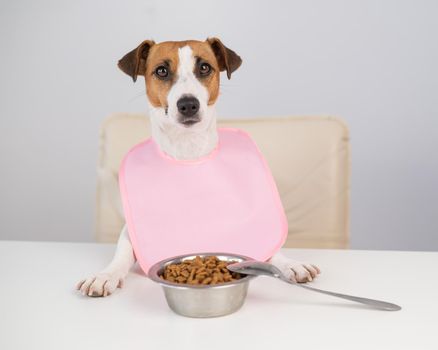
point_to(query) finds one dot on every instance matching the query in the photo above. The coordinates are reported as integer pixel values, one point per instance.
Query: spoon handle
(371, 302)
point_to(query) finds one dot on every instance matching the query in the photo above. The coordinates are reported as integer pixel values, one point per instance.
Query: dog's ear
(227, 59)
(134, 62)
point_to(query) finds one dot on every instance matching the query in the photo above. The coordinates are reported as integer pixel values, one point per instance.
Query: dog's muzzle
(188, 107)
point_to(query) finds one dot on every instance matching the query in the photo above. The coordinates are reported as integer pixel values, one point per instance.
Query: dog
(182, 87)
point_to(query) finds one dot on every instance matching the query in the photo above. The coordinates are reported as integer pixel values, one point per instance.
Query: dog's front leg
(295, 270)
(106, 281)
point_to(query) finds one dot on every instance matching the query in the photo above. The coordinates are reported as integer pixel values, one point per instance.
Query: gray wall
(374, 63)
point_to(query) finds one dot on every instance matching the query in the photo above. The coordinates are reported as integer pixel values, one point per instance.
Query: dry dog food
(207, 270)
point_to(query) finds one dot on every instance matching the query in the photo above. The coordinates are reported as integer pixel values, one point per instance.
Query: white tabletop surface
(39, 308)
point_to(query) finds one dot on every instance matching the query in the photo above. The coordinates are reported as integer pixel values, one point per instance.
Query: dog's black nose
(188, 106)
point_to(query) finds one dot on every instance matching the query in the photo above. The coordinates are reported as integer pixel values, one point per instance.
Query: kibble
(200, 271)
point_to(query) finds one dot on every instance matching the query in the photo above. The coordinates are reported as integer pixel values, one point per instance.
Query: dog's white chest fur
(179, 143)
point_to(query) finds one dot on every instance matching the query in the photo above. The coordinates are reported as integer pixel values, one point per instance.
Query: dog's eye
(204, 69)
(162, 72)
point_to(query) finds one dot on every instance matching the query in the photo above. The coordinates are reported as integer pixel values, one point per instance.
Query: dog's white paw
(100, 285)
(299, 271)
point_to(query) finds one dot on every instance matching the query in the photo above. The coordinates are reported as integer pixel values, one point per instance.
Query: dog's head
(182, 77)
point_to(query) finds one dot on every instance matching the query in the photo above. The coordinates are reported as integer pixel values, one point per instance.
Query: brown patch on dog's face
(161, 56)
(206, 69)
(159, 64)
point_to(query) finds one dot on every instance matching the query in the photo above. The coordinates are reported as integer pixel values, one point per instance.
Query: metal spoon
(259, 268)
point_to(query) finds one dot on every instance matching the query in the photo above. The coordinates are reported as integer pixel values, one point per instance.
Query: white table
(39, 308)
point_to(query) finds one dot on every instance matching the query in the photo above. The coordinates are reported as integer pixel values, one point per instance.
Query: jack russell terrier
(182, 86)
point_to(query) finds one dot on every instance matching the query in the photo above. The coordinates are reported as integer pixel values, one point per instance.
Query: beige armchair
(308, 156)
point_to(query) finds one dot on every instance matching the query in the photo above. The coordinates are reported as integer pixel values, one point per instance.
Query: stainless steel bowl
(202, 300)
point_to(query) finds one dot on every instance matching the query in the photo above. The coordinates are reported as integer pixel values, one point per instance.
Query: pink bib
(225, 202)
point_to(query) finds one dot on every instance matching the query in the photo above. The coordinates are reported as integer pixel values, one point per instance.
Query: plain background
(373, 63)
